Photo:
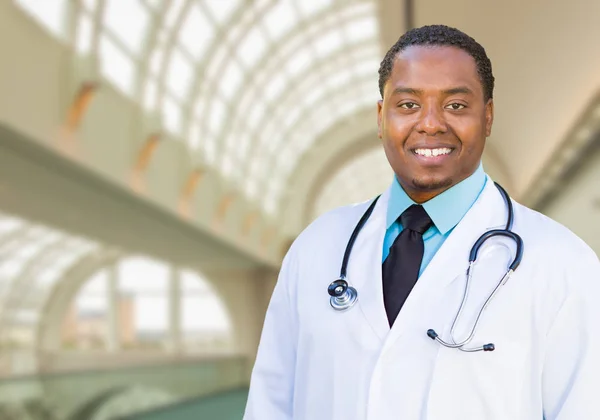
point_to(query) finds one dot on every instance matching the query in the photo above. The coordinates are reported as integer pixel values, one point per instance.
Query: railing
(126, 390)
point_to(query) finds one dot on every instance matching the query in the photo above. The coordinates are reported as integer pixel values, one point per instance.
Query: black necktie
(401, 268)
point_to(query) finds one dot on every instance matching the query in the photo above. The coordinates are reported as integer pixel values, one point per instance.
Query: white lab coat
(317, 364)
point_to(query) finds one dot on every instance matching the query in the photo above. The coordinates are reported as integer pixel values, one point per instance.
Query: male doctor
(375, 360)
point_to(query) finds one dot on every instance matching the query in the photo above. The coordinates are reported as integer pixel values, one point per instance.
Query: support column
(174, 326)
(113, 342)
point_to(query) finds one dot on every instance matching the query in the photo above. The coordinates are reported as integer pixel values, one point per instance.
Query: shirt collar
(445, 209)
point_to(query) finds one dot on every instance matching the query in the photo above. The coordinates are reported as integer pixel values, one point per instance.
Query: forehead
(435, 67)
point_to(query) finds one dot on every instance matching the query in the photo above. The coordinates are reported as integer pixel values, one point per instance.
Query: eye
(455, 106)
(409, 105)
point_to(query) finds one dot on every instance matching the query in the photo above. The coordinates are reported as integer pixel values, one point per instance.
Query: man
(376, 359)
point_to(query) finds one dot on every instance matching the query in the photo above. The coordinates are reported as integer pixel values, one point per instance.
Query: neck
(420, 196)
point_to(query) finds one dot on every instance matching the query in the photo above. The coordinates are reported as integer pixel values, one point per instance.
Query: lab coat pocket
(483, 384)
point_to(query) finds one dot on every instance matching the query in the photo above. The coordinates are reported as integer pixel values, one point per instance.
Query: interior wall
(577, 204)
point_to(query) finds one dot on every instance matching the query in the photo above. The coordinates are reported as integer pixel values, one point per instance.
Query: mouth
(432, 156)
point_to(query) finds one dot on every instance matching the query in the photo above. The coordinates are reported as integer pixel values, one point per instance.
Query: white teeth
(433, 152)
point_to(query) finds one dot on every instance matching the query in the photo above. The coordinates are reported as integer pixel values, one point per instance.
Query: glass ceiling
(361, 179)
(248, 86)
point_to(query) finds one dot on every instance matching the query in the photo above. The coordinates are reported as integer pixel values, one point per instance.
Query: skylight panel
(299, 61)
(179, 75)
(255, 113)
(280, 18)
(221, 10)
(116, 66)
(85, 31)
(128, 21)
(275, 87)
(361, 29)
(196, 33)
(231, 80)
(329, 42)
(171, 116)
(310, 7)
(217, 115)
(252, 47)
(156, 61)
(50, 14)
(366, 68)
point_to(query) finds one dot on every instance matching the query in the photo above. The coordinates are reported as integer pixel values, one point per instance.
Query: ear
(379, 110)
(489, 117)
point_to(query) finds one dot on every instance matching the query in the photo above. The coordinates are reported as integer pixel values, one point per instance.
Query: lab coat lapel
(364, 268)
(451, 259)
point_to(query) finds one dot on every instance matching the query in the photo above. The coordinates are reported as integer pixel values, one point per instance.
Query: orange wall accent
(144, 158)
(76, 112)
(249, 222)
(224, 205)
(187, 194)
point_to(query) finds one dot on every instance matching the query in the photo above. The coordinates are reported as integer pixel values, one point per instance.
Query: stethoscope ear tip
(432, 334)
(489, 347)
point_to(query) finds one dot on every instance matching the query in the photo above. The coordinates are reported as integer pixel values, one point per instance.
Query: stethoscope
(343, 296)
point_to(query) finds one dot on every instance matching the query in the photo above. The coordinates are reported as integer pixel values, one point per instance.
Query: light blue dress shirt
(445, 210)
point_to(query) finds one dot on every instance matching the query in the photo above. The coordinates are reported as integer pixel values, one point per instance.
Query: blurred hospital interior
(158, 157)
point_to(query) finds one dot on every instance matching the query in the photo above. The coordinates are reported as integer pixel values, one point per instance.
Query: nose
(432, 121)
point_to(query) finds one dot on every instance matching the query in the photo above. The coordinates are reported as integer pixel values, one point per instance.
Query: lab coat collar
(364, 268)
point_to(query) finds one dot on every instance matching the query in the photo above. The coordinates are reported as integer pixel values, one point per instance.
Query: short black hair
(440, 35)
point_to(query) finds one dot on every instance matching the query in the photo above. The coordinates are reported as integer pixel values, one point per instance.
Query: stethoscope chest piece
(342, 296)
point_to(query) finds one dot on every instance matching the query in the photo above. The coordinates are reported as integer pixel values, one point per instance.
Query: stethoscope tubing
(343, 296)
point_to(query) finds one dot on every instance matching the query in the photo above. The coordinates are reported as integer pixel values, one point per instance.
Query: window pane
(128, 20)
(299, 61)
(328, 43)
(156, 61)
(221, 10)
(252, 47)
(179, 75)
(217, 115)
(50, 13)
(361, 29)
(196, 32)
(232, 77)
(172, 116)
(280, 19)
(116, 66)
(84, 34)
(309, 7)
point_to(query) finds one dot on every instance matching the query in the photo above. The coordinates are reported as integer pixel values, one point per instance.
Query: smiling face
(433, 119)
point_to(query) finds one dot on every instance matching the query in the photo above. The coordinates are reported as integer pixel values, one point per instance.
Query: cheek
(396, 128)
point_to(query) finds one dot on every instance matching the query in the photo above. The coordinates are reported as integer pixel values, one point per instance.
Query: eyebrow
(460, 89)
(452, 91)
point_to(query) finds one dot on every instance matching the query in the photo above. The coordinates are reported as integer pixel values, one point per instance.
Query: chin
(431, 183)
